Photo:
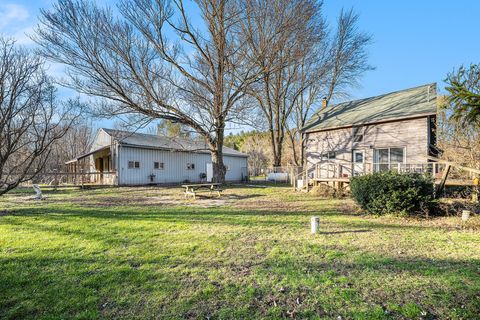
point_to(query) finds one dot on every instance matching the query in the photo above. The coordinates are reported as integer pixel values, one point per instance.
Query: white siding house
(126, 158)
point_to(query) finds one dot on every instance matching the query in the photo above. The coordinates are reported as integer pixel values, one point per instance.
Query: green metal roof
(396, 105)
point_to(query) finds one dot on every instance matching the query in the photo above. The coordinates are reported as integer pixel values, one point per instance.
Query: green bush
(392, 192)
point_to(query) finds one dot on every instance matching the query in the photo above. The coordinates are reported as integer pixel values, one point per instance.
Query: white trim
(376, 165)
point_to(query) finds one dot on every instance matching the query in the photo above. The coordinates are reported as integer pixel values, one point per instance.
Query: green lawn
(148, 253)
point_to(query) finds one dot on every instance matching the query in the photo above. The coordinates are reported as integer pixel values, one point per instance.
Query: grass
(144, 253)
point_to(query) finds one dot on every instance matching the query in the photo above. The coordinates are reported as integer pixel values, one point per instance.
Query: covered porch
(95, 167)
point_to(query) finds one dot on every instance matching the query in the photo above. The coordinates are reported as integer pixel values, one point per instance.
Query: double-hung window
(358, 133)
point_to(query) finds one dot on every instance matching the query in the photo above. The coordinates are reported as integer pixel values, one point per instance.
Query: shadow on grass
(346, 231)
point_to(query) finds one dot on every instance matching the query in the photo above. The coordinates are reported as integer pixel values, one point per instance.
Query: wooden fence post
(441, 185)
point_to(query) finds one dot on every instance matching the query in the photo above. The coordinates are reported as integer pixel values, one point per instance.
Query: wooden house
(396, 130)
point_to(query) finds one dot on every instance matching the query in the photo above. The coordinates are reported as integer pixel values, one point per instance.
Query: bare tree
(77, 141)
(151, 60)
(347, 54)
(340, 62)
(31, 121)
(280, 35)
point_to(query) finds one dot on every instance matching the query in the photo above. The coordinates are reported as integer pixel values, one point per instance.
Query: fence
(275, 174)
(74, 179)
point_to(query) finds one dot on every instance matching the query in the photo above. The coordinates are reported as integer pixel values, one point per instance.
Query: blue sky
(414, 42)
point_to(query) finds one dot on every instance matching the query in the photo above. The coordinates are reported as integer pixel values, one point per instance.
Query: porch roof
(87, 154)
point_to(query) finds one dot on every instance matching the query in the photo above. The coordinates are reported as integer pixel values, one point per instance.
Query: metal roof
(408, 103)
(143, 140)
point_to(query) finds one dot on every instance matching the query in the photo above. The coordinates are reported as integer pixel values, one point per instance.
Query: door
(358, 162)
(209, 172)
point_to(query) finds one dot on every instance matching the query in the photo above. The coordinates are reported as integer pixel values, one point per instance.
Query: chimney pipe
(324, 102)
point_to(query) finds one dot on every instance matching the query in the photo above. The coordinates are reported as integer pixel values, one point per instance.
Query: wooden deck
(337, 173)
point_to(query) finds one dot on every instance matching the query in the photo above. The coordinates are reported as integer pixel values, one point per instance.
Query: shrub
(324, 191)
(392, 192)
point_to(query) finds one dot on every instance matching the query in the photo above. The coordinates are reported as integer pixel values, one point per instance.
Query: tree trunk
(277, 158)
(278, 147)
(293, 142)
(217, 164)
(303, 140)
(216, 148)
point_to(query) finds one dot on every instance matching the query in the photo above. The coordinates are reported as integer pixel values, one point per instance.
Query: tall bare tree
(280, 35)
(31, 118)
(330, 69)
(301, 60)
(152, 60)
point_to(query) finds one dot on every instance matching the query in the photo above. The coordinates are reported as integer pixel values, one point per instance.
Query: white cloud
(11, 15)
(22, 36)
(16, 22)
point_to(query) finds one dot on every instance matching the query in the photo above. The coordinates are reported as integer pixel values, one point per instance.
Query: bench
(193, 189)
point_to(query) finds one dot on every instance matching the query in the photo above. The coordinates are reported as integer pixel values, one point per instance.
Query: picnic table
(193, 189)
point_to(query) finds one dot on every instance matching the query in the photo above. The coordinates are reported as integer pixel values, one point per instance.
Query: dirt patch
(138, 200)
(270, 205)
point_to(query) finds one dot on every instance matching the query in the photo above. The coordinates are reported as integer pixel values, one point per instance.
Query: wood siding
(102, 139)
(412, 134)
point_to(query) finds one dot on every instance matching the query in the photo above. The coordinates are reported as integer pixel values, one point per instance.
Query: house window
(388, 158)
(133, 165)
(190, 166)
(358, 133)
(329, 155)
(227, 167)
(158, 165)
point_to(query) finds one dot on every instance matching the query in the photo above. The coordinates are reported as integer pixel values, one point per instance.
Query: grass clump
(391, 192)
(324, 191)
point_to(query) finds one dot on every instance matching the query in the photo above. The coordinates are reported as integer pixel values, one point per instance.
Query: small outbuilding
(129, 158)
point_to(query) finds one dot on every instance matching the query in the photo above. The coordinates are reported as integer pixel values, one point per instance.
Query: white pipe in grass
(315, 224)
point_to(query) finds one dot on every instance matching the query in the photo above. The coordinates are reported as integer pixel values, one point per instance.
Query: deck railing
(346, 169)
